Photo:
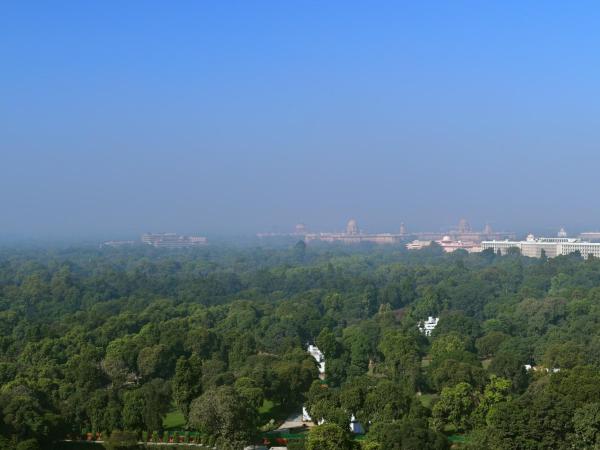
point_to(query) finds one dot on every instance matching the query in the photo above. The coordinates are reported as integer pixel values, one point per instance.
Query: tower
(487, 230)
(463, 226)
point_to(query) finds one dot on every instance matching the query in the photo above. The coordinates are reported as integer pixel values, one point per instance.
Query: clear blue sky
(120, 117)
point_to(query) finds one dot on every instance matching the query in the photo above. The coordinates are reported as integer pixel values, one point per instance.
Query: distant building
(464, 233)
(352, 227)
(529, 367)
(117, 243)
(317, 354)
(300, 229)
(403, 229)
(590, 236)
(172, 240)
(550, 247)
(418, 245)
(449, 245)
(427, 326)
(353, 235)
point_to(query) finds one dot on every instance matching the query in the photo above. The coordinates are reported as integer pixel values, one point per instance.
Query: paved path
(294, 421)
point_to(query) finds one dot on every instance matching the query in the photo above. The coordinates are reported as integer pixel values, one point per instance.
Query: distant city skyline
(364, 226)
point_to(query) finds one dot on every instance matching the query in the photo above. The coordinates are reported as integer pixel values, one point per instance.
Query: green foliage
(187, 382)
(454, 407)
(328, 437)
(224, 412)
(407, 434)
(122, 440)
(586, 423)
(109, 339)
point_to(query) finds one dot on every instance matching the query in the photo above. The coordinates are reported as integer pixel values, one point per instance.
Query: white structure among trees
(427, 326)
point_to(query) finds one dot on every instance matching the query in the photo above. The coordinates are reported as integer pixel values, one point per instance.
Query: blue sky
(236, 117)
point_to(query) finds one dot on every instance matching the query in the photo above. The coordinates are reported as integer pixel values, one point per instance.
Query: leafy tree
(455, 406)
(187, 382)
(328, 437)
(401, 355)
(153, 361)
(488, 345)
(249, 389)
(408, 434)
(144, 408)
(223, 412)
(328, 344)
(497, 391)
(586, 423)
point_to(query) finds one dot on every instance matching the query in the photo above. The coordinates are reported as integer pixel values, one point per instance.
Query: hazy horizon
(236, 118)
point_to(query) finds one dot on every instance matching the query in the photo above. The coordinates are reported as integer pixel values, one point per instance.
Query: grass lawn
(266, 407)
(174, 421)
(278, 413)
(427, 399)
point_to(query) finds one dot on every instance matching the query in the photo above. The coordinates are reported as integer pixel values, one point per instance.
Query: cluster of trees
(111, 340)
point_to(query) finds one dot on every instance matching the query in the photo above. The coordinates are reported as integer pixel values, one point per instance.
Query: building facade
(172, 240)
(550, 247)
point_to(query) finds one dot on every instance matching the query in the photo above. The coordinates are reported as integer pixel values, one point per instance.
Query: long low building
(172, 240)
(551, 247)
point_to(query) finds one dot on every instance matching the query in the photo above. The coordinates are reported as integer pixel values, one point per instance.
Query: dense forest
(114, 343)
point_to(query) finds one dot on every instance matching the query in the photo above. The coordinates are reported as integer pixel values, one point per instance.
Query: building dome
(352, 227)
(446, 239)
(562, 233)
(300, 228)
(530, 237)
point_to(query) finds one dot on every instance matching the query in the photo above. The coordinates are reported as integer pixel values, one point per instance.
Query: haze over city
(299, 225)
(241, 117)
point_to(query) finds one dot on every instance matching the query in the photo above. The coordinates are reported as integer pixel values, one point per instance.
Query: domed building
(300, 229)
(352, 227)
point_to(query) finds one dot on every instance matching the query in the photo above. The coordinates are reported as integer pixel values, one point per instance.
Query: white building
(355, 426)
(305, 415)
(427, 326)
(418, 245)
(551, 247)
(314, 351)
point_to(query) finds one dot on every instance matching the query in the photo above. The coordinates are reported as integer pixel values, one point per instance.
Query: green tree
(586, 423)
(187, 382)
(144, 408)
(455, 407)
(249, 389)
(328, 344)
(328, 437)
(407, 434)
(497, 391)
(401, 355)
(223, 412)
(153, 361)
